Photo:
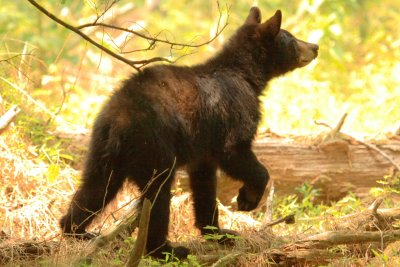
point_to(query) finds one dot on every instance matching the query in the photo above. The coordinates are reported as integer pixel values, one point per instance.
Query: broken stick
(141, 240)
(127, 223)
(287, 219)
(8, 117)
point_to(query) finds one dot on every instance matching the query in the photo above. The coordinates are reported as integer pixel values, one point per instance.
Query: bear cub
(202, 118)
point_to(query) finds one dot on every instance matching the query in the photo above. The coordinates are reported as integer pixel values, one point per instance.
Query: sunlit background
(357, 71)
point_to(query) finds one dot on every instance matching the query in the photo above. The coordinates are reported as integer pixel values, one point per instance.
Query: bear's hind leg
(203, 185)
(158, 191)
(98, 188)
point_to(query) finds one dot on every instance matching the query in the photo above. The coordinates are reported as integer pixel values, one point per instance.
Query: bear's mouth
(308, 52)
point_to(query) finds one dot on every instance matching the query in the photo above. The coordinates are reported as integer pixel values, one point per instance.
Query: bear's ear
(273, 25)
(254, 16)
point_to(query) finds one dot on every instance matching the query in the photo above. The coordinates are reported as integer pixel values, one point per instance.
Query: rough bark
(337, 167)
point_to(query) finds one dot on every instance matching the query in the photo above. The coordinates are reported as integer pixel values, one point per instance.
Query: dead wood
(371, 226)
(26, 250)
(269, 205)
(8, 117)
(371, 219)
(336, 168)
(353, 164)
(300, 257)
(367, 229)
(334, 238)
(227, 260)
(287, 219)
(125, 225)
(141, 240)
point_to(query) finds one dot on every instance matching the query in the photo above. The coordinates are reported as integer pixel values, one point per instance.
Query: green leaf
(210, 227)
(66, 156)
(52, 172)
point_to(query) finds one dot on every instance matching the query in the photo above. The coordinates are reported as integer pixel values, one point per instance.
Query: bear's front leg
(203, 184)
(240, 163)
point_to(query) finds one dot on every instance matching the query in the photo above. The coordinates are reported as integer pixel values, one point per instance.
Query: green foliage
(301, 206)
(171, 261)
(305, 205)
(355, 70)
(33, 125)
(390, 185)
(383, 258)
(217, 236)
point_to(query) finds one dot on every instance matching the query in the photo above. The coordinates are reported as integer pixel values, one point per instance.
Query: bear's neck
(240, 63)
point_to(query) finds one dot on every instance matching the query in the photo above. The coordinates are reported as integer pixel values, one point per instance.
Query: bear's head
(275, 48)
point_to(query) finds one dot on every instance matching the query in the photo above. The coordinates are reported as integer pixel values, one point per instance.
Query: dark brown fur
(203, 117)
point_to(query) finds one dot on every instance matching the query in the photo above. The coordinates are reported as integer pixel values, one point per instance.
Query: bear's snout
(308, 52)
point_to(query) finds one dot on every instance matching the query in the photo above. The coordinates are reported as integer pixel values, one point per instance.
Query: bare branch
(136, 64)
(15, 56)
(84, 36)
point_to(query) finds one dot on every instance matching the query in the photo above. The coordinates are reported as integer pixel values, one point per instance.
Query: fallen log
(337, 168)
(334, 238)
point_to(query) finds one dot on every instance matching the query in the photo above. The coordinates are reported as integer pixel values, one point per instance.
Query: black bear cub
(202, 117)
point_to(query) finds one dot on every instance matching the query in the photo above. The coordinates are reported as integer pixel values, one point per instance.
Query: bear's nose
(315, 47)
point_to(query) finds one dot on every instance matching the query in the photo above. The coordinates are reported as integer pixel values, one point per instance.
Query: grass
(33, 201)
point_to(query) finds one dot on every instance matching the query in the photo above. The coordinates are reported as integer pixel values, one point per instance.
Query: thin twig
(38, 104)
(158, 40)
(152, 39)
(136, 64)
(15, 56)
(84, 36)
(289, 219)
(373, 147)
(106, 9)
(321, 123)
(125, 223)
(227, 260)
(338, 127)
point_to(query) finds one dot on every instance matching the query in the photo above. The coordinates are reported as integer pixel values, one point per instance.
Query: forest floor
(34, 195)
